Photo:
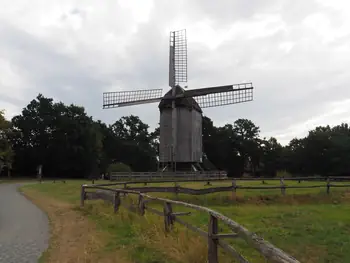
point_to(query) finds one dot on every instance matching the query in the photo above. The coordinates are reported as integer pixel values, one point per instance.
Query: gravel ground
(24, 228)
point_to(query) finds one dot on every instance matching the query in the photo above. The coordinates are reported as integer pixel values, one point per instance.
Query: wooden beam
(212, 240)
(232, 235)
(181, 213)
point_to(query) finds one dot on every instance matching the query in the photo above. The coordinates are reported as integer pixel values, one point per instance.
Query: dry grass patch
(74, 238)
(144, 238)
(181, 245)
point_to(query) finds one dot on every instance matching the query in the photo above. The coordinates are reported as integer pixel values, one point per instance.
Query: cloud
(296, 53)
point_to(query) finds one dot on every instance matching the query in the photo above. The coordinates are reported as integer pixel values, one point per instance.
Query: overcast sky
(296, 53)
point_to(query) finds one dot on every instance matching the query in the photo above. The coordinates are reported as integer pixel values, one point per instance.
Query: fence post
(212, 242)
(176, 189)
(328, 185)
(82, 195)
(116, 202)
(168, 221)
(125, 187)
(141, 205)
(234, 188)
(283, 187)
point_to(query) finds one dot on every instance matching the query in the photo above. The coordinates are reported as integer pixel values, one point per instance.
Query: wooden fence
(117, 176)
(215, 239)
(230, 188)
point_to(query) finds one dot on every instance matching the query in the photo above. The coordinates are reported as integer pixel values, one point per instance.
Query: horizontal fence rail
(233, 187)
(191, 191)
(115, 176)
(196, 176)
(215, 239)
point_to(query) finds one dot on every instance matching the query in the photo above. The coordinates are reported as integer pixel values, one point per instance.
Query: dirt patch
(74, 238)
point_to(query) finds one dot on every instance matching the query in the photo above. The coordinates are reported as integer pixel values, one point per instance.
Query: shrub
(118, 167)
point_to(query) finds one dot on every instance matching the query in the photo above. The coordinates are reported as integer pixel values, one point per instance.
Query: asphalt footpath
(24, 228)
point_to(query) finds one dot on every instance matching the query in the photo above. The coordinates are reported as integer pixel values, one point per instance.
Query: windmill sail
(178, 58)
(130, 98)
(224, 95)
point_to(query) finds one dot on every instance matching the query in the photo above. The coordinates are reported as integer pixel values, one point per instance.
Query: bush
(119, 167)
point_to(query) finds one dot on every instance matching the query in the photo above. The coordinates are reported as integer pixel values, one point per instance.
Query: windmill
(180, 142)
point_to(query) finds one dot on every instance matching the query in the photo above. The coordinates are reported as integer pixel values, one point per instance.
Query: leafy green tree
(272, 159)
(135, 143)
(62, 138)
(111, 147)
(339, 151)
(248, 143)
(295, 156)
(6, 152)
(69, 143)
(132, 129)
(154, 136)
(220, 146)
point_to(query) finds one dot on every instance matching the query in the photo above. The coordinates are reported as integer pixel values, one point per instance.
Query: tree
(6, 152)
(76, 143)
(272, 159)
(154, 136)
(135, 143)
(220, 145)
(339, 150)
(62, 138)
(111, 147)
(69, 143)
(132, 129)
(295, 156)
(248, 143)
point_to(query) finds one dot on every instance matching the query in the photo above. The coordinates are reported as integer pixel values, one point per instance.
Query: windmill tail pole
(174, 129)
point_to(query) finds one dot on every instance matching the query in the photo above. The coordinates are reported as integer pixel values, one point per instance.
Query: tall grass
(307, 223)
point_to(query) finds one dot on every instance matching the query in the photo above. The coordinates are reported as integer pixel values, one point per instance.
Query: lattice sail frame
(178, 58)
(205, 98)
(129, 98)
(239, 94)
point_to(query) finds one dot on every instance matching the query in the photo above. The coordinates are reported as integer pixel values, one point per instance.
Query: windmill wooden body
(180, 142)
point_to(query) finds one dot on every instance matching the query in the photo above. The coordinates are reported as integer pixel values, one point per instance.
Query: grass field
(306, 223)
(5, 181)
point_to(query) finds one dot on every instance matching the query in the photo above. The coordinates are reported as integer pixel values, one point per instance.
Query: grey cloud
(228, 11)
(64, 78)
(291, 87)
(10, 99)
(50, 72)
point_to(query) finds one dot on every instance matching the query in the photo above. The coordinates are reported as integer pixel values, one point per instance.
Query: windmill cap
(186, 102)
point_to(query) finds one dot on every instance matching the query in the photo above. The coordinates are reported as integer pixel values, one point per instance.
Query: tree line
(68, 143)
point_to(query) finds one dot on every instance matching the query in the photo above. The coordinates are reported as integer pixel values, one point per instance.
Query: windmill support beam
(218, 89)
(210, 90)
(131, 103)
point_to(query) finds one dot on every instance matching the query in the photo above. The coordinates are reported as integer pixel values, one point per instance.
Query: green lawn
(307, 223)
(16, 180)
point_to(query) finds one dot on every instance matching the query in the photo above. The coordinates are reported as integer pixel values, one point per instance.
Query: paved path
(24, 228)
